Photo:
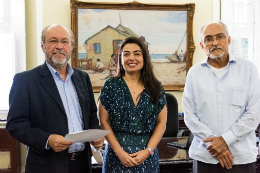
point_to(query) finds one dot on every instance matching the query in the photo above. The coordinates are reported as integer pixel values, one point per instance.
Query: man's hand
(98, 143)
(140, 156)
(57, 143)
(217, 146)
(226, 159)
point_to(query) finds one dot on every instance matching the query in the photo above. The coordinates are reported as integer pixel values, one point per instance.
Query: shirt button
(71, 111)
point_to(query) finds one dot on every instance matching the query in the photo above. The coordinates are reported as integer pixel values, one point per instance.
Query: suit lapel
(50, 86)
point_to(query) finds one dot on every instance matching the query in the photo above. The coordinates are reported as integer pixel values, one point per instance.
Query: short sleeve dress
(132, 126)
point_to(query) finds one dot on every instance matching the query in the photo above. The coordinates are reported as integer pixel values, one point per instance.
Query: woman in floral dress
(133, 106)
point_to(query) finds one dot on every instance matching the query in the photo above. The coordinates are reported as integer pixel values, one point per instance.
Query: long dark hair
(148, 79)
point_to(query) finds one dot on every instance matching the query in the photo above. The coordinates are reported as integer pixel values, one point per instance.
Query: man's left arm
(251, 117)
(244, 125)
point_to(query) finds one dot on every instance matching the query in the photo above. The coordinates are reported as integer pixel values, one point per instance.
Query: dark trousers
(80, 165)
(201, 167)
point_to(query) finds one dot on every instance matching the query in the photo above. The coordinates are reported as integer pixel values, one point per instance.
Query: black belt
(76, 155)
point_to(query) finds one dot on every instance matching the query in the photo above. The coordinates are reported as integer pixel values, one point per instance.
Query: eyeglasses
(55, 42)
(209, 39)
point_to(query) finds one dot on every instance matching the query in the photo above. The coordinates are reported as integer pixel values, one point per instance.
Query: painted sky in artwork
(163, 30)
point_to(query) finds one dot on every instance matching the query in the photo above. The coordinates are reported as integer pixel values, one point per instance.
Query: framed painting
(100, 29)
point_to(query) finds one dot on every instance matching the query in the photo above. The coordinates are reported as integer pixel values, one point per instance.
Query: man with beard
(50, 101)
(221, 103)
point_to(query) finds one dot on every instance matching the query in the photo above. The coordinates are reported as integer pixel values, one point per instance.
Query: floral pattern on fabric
(132, 126)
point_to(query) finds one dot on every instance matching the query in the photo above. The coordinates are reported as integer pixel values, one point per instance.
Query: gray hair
(59, 25)
(219, 22)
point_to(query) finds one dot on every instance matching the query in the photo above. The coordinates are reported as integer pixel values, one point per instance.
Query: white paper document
(86, 135)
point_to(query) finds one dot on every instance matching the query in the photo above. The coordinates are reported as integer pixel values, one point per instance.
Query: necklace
(132, 88)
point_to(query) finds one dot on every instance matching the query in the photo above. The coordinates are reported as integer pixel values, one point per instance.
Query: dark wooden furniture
(8, 143)
(171, 159)
(257, 166)
(182, 126)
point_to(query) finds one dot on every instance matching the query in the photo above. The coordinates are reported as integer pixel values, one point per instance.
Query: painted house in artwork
(106, 42)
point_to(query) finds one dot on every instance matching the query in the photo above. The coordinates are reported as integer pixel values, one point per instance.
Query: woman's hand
(140, 156)
(127, 160)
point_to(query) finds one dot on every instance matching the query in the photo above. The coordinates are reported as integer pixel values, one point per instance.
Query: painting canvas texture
(102, 31)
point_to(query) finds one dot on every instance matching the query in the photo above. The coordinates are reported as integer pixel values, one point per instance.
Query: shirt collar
(69, 68)
(231, 59)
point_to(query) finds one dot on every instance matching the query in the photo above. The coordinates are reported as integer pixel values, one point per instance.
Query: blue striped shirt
(71, 104)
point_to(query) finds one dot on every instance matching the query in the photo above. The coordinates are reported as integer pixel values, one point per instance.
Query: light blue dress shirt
(227, 107)
(71, 104)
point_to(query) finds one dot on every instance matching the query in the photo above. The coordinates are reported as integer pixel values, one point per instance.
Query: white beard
(216, 57)
(57, 63)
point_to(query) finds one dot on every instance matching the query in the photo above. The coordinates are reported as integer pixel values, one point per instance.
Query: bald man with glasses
(221, 103)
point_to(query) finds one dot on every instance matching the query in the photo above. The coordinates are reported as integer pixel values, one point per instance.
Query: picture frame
(100, 28)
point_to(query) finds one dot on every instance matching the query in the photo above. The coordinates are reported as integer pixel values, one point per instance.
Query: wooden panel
(5, 140)
(8, 143)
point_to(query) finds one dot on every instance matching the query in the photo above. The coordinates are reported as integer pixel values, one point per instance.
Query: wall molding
(39, 26)
(216, 10)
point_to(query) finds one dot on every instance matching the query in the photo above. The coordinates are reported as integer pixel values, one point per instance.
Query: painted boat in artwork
(173, 58)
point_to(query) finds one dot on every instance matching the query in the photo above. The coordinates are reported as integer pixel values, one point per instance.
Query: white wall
(3, 115)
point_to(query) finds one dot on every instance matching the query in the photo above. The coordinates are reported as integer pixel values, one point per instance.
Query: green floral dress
(132, 126)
